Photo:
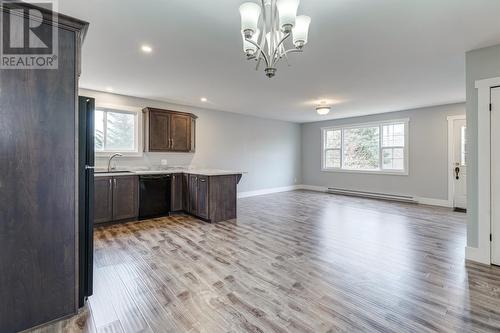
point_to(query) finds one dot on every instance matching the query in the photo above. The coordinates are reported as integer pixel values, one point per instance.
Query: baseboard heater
(372, 195)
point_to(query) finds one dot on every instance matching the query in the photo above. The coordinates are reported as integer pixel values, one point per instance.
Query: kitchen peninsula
(122, 195)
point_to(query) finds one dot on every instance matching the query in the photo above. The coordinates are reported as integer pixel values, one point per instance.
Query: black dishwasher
(154, 196)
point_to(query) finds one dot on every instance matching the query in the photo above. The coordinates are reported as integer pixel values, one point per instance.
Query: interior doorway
(457, 162)
(495, 175)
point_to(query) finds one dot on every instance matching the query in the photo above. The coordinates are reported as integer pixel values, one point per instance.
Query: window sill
(370, 172)
(107, 154)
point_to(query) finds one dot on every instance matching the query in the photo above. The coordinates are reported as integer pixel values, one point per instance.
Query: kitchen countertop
(203, 172)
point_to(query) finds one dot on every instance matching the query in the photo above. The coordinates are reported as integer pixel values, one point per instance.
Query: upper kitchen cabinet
(168, 131)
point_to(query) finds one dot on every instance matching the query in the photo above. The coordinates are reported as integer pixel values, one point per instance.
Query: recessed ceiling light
(146, 49)
(323, 110)
(203, 99)
(109, 89)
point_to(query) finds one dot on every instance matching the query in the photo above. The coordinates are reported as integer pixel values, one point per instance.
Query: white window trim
(138, 131)
(404, 172)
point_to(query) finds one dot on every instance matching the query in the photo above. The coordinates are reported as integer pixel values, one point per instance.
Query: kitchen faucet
(111, 158)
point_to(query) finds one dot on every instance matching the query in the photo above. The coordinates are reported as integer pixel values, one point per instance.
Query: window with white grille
(375, 147)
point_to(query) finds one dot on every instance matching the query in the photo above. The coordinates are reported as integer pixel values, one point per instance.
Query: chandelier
(265, 36)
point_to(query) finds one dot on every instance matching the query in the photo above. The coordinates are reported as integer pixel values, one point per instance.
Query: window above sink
(117, 130)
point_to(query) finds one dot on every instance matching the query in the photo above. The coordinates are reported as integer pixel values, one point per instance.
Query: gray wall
(268, 150)
(480, 64)
(428, 155)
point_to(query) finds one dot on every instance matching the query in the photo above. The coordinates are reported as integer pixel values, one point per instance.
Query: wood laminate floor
(292, 262)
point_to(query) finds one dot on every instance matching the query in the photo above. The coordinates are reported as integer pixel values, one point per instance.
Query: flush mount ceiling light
(203, 99)
(109, 89)
(146, 49)
(323, 110)
(264, 36)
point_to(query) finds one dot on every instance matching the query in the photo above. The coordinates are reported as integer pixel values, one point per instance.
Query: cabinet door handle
(110, 184)
(203, 180)
(114, 180)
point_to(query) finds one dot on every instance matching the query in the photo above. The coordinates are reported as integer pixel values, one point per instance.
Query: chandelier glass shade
(266, 27)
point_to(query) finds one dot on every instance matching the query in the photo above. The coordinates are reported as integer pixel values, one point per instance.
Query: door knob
(457, 172)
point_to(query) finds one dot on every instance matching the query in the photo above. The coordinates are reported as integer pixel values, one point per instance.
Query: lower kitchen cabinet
(103, 199)
(210, 198)
(178, 192)
(116, 198)
(223, 196)
(125, 197)
(193, 195)
(185, 194)
(213, 198)
(202, 196)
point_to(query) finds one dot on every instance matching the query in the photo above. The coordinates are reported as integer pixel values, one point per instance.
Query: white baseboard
(422, 201)
(313, 188)
(477, 254)
(268, 191)
(433, 202)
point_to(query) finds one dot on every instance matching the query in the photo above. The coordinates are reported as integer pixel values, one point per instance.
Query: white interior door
(495, 175)
(459, 165)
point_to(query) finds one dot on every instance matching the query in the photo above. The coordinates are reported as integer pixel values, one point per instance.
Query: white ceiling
(366, 56)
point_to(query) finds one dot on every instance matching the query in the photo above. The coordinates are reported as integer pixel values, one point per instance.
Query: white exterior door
(495, 175)
(459, 165)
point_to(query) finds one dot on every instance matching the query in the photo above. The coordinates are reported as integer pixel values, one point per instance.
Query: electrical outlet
(163, 162)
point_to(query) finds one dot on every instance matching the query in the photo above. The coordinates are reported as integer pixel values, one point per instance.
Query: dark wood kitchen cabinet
(116, 198)
(202, 197)
(210, 198)
(38, 182)
(103, 199)
(213, 198)
(193, 195)
(168, 131)
(125, 197)
(180, 132)
(177, 193)
(185, 194)
(223, 196)
(159, 131)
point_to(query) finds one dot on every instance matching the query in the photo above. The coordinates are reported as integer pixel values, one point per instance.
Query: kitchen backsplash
(150, 161)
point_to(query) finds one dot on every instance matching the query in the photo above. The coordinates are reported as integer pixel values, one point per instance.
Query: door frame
(451, 162)
(482, 253)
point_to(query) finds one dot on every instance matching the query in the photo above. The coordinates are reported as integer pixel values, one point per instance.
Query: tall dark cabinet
(39, 184)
